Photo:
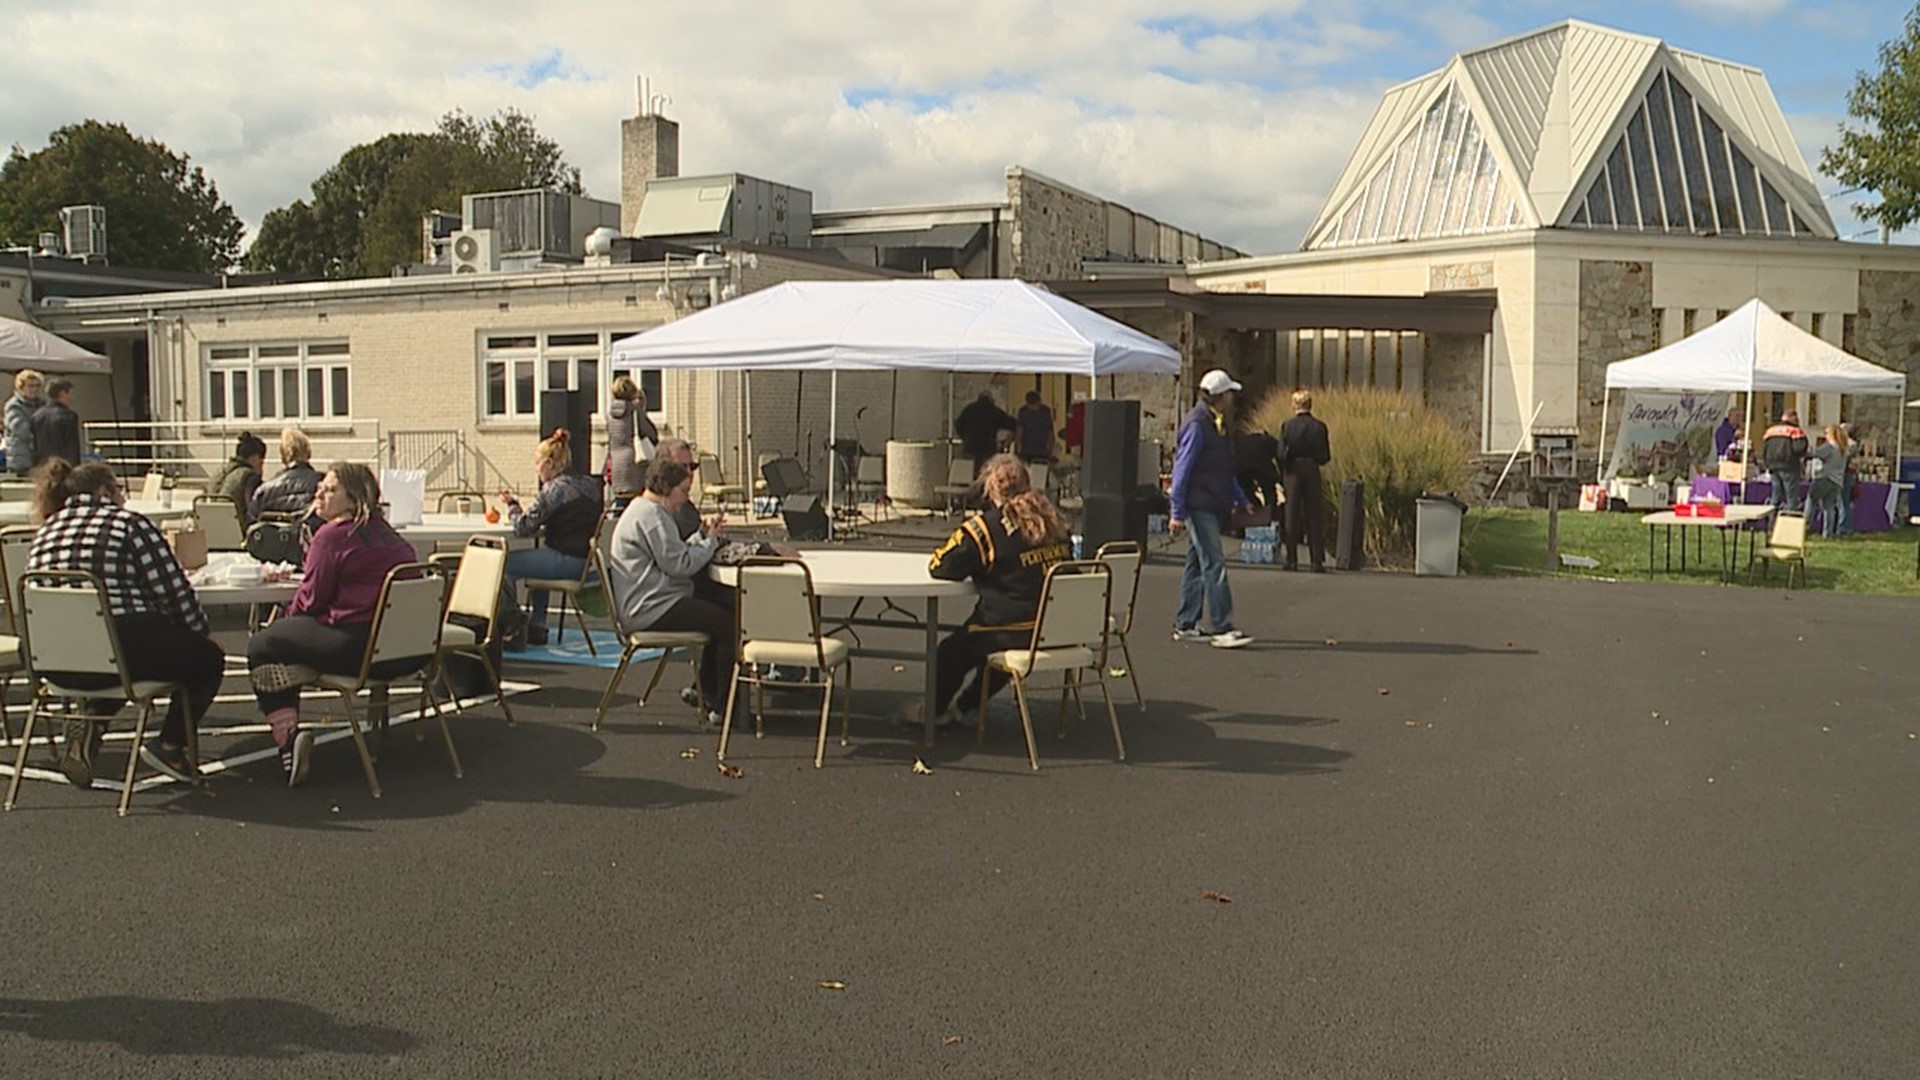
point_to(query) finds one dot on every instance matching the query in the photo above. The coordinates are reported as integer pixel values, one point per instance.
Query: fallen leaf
(832, 984)
(731, 772)
(1824, 727)
(951, 1040)
(819, 896)
(1656, 714)
(920, 768)
(1509, 644)
(899, 667)
(1333, 641)
(690, 752)
(1413, 723)
(1221, 898)
(1384, 691)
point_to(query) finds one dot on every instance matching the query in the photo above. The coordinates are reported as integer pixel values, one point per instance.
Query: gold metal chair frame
(482, 646)
(1009, 661)
(632, 641)
(744, 671)
(1118, 632)
(143, 693)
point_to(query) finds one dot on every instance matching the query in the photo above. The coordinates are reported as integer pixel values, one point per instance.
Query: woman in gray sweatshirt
(654, 571)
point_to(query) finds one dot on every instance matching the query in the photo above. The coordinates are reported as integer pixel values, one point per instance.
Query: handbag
(278, 542)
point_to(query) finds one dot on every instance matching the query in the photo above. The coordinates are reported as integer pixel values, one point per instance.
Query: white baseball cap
(1217, 382)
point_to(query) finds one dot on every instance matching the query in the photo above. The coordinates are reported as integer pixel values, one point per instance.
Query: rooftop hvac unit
(473, 252)
(84, 232)
(538, 223)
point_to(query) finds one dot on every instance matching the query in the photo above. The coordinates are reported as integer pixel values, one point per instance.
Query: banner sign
(1667, 436)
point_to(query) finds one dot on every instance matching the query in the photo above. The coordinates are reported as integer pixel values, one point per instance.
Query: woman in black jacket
(291, 492)
(564, 516)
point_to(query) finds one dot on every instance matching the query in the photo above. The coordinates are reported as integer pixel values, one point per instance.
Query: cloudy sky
(1228, 117)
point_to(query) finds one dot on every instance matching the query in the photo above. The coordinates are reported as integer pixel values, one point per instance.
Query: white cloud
(1240, 143)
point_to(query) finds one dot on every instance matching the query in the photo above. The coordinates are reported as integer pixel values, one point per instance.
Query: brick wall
(1616, 323)
(1887, 331)
(1455, 365)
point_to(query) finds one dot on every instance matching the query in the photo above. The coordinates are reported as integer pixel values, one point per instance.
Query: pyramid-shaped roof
(1575, 126)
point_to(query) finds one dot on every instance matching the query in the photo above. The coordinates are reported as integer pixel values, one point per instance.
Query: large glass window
(515, 368)
(263, 382)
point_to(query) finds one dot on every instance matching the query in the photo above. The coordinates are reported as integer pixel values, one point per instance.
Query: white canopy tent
(903, 325)
(24, 345)
(1753, 349)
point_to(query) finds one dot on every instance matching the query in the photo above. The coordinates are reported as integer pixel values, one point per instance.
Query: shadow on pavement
(1396, 648)
(535, 763)
(230, 1027)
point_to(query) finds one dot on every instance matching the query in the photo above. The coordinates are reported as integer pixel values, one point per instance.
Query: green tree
(364, 218)
(1883, 155)
(163, 213)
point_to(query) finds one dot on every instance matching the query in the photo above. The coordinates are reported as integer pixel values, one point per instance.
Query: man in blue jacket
(1203, 494)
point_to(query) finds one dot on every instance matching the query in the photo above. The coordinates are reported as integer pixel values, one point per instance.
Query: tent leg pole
(1900, 437)
(1600, 455)
(833, 448)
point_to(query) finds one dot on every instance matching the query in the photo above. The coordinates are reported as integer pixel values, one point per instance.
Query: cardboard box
(1734, 472)
(189, 547)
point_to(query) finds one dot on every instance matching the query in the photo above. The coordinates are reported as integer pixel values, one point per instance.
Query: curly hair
(1007, 484)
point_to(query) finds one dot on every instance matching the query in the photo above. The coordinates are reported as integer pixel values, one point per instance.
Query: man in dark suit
(1303, 449)
(56, 427)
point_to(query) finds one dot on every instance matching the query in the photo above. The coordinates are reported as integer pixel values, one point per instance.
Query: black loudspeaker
(804, 518)
(1110, 450)
(784, 476)
(569, 409)
(1349, 547)
(1111, 517)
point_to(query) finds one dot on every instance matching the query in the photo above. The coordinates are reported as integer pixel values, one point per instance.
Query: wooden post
(1553, 528)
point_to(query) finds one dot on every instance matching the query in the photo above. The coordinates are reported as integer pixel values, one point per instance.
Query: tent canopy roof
(24, 345)
(980, 326)
(1754, 349)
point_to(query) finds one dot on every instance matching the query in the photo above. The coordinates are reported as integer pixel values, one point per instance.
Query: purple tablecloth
(1873, 511)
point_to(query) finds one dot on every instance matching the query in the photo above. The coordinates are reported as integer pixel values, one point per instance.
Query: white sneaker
(1191, 633)
(1231, 639)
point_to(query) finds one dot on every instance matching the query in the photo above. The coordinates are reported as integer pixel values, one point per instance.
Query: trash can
(1908, 472)
(1437, 535)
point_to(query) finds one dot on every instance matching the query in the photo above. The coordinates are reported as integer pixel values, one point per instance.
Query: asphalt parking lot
(1455, 828)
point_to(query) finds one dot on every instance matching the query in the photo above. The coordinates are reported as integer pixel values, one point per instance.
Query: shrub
(1394, 445)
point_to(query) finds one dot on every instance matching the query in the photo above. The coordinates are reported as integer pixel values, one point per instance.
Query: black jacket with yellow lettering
(1009, 569)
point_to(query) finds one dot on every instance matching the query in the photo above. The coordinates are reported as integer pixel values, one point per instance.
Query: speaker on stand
(568, 409)
(1110, 448)
(804, 518)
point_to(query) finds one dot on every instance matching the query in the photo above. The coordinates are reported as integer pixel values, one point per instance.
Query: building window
(515, 368)
(1659, 330)
(305, 381)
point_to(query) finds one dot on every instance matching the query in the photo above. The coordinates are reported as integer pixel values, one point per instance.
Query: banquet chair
(1123, 559)
(220, 518)
(632, 641)
(1069, 636)
(15, 541)
(1787, 544)
(402, 645)
(778, 620)
(475, 595)
(68, 630)
(713, 482)
(958, 486)
(870, 480)
(151, 487)
(569, 590)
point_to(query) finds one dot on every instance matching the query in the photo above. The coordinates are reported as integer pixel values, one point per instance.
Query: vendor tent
(24, 345)
(1752, 349)
(917, 324)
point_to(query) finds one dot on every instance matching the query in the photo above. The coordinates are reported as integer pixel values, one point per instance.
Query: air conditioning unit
(84, 230)
(473, 252)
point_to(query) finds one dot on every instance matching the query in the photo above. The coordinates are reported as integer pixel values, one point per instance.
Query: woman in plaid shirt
(163, 632)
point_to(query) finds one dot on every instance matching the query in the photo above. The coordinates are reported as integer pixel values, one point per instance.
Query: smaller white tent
(24, 345)
(1753, 349)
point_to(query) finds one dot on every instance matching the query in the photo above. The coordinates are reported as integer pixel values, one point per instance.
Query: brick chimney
(649, 150)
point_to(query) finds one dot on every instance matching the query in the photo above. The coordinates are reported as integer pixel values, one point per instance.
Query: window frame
(537, 354)
(231, 384)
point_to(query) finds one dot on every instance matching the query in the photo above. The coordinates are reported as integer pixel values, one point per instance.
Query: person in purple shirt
(1204, 495)
(1725, 436)
(326, 624)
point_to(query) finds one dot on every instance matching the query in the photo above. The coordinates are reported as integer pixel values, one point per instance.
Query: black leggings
(714, 619)
(155, 647)
(1306, 516)
(965, 653)
(330, 650)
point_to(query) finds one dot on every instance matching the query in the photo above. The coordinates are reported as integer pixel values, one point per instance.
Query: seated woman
(568, 509)
(654, 571)
(163, 631)
(291, 492)
(1006, 551)
(240, 477)
(327, 622)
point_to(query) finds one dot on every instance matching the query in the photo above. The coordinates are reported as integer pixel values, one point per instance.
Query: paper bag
(1733, 472)
(189, 547)
(405, 493)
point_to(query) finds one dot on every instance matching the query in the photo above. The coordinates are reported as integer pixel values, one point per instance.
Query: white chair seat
(1781, 553)
(453, 636)
(796, 653)
(10, 653)
(141, 691)
(566, 585)
(1023, 662)
(666, 639)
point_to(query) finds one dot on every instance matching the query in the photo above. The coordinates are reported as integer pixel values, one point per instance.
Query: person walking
(56, 427)
(979, 426)
(1203, 494)
(1033, 442)
(632, 439)
(1303, 449)
(26, 399)
(1783, 450)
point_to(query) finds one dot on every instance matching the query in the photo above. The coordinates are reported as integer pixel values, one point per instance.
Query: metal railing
(195, 449)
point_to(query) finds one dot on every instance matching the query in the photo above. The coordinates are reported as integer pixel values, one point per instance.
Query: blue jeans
(1828, 500)
(536, 562)
(1786, 488)
(1205, 577)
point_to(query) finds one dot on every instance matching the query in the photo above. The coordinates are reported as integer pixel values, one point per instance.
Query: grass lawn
(1503, 541)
